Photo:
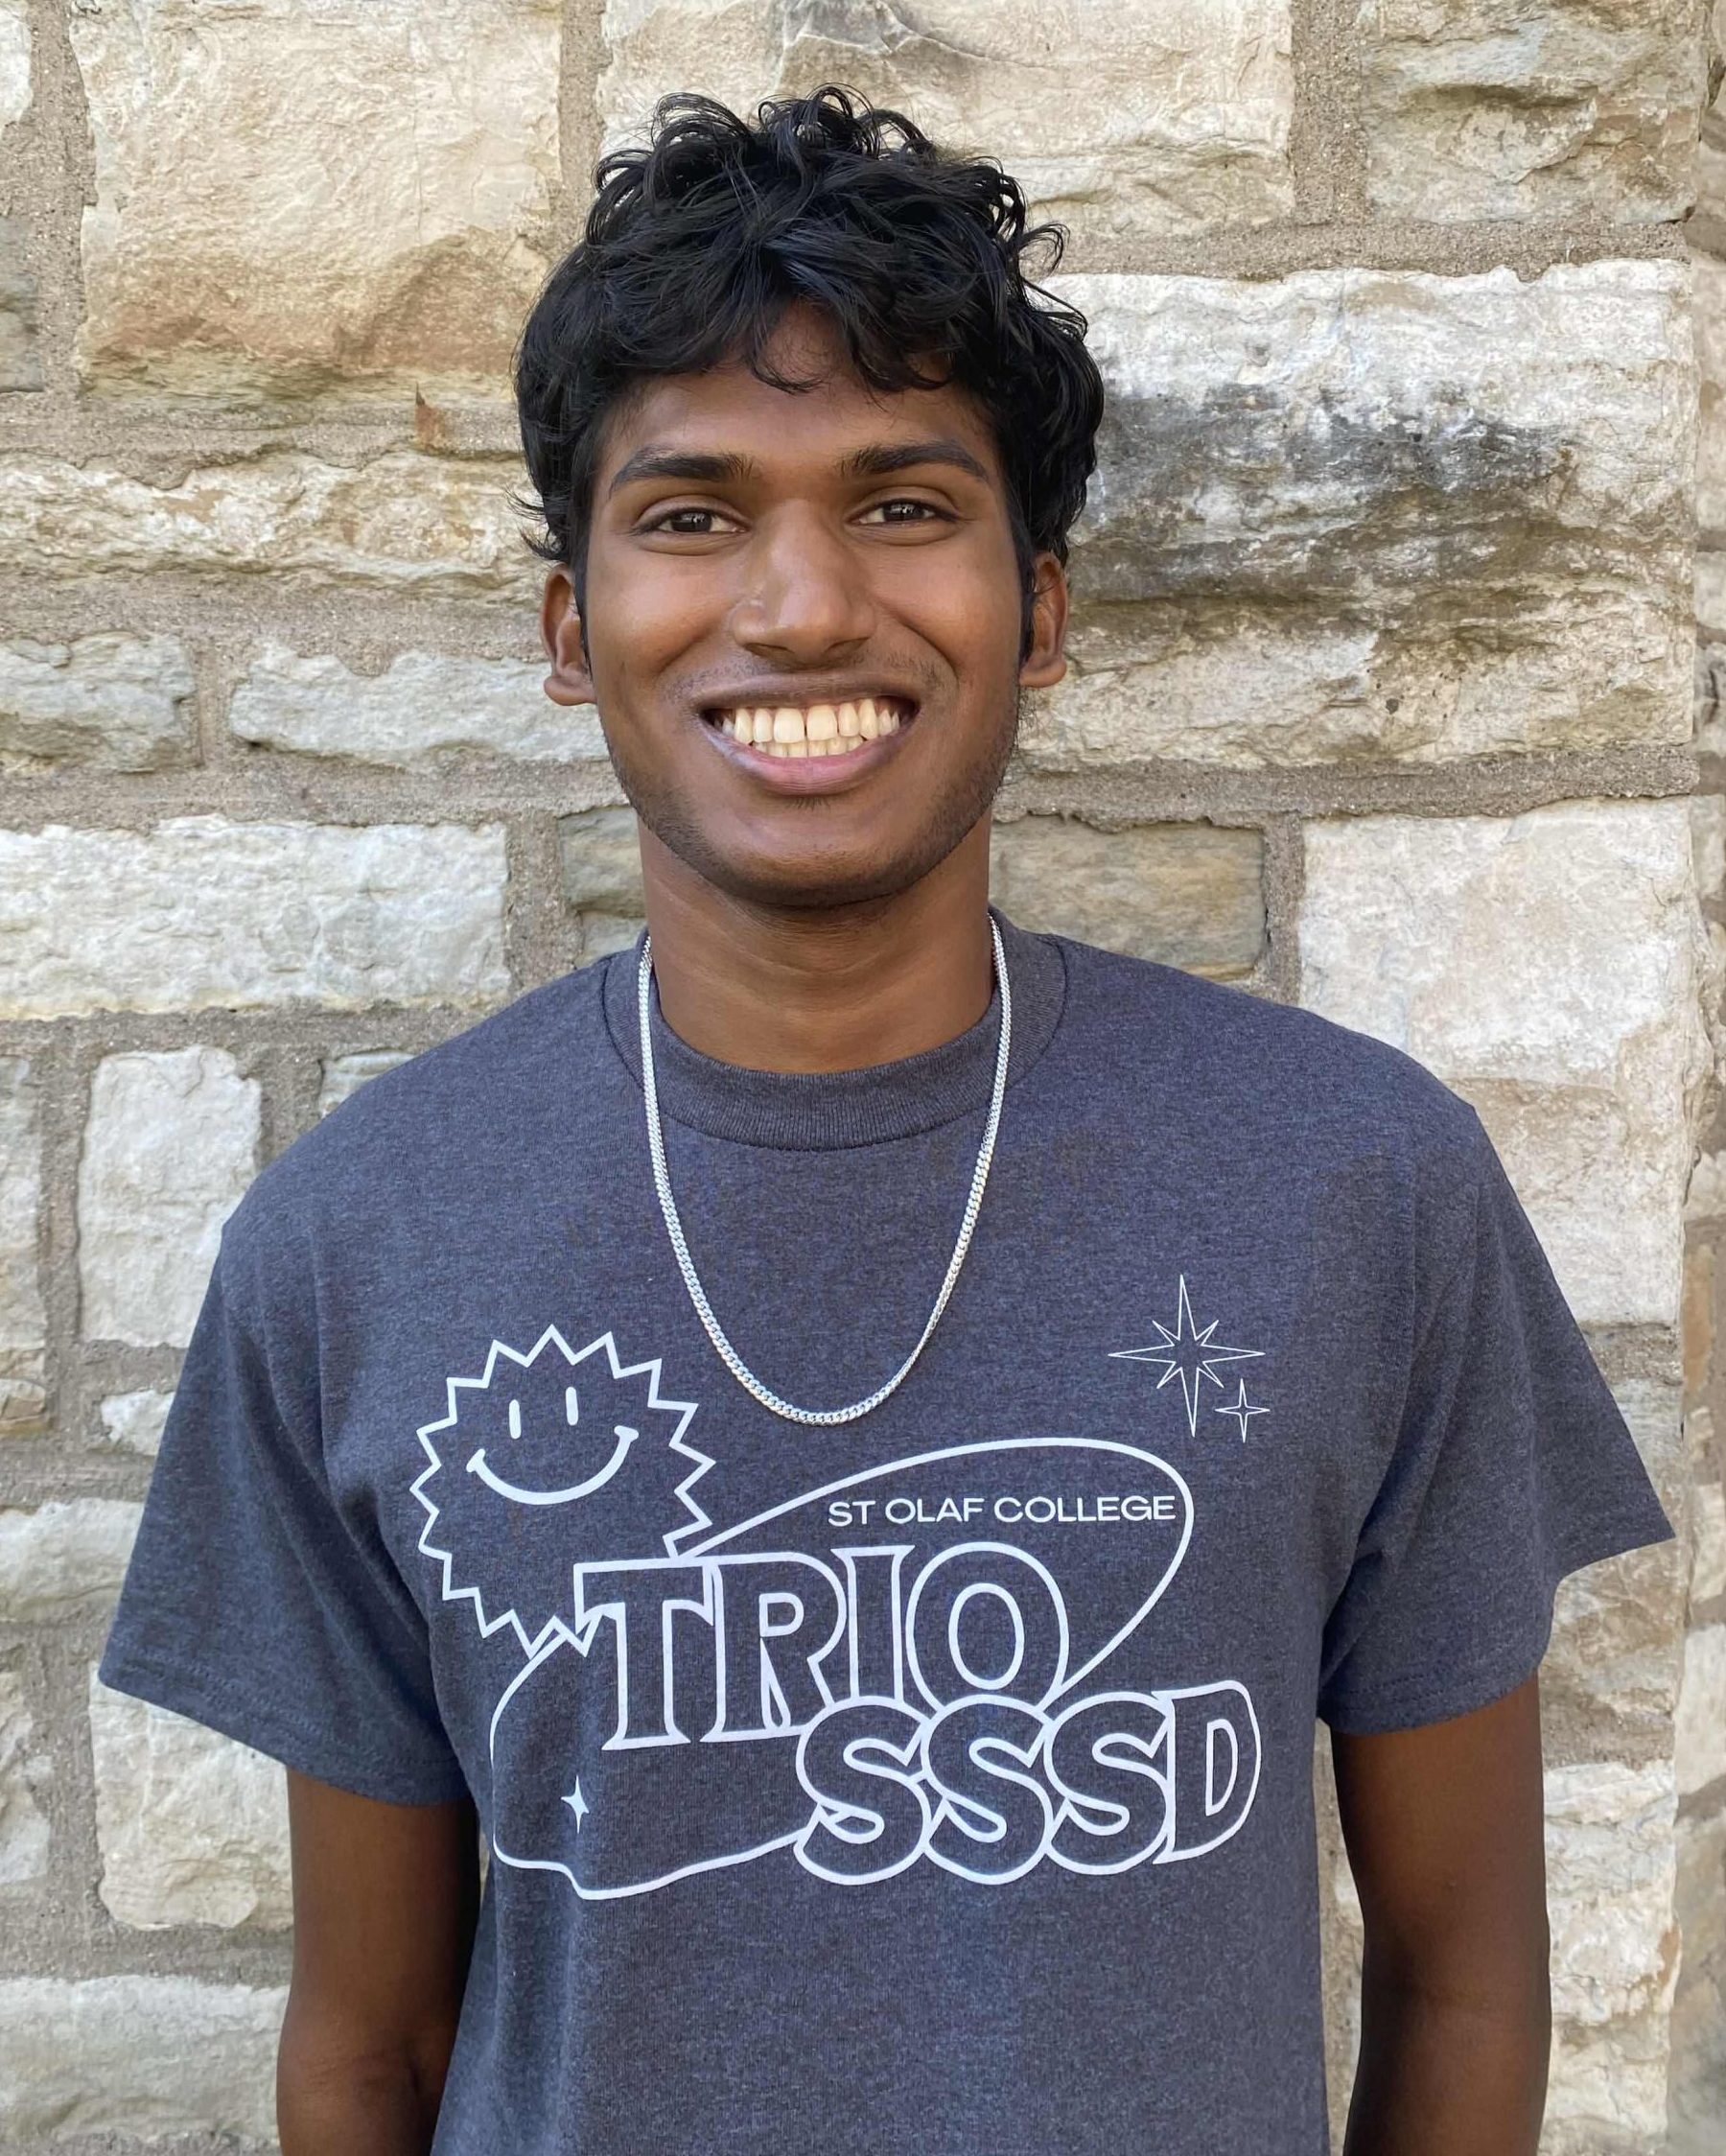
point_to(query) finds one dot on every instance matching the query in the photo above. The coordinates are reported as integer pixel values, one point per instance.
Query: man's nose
(804, 596)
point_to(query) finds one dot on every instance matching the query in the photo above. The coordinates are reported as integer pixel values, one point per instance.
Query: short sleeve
(251, 1604)
(1512, 1467)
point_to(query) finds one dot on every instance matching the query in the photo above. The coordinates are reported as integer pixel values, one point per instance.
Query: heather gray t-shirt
(939, 1781)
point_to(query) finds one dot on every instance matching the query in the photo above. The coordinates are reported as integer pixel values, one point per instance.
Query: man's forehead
(840, 423)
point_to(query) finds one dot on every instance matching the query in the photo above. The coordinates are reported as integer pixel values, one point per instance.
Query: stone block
(1697, 2090)
(143, 2057)
(15, 61)
(1361, 513)
(134, 1421)
(1700, 1736)
(201, 913)
(1611, 1868)
(63, 1559)
(1708, 1568)
(1709, 280)
(192, 1827)
(171, 1144)
(1611, 1871)
(421, 707)
(1188, 895)
(23, 1320)
(1128, 121)
(25, 1774)
(1507, 108)
(344, 1075)
(430, 526)
(1548, 966)
(296, 199)
(111, 701)
(20, 363)
(602, 878)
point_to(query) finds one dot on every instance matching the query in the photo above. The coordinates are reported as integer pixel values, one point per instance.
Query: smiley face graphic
(550, 1458)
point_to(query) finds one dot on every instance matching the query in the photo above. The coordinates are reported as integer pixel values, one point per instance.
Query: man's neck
(821, 989)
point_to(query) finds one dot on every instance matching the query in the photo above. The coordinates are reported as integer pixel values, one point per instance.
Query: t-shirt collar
(802, 1110)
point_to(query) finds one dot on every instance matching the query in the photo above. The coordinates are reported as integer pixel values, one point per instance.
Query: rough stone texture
(602, 878)
(1708, 1569)
(1697, 2090)
(1709, 284)
(302, 197)
(1609, 1877)
(25, 1774)
(1187, 895)
(1610, 1680)
(344, 1075)
(193, 1828)
(424, 525)
(203, 913)
(171, 1144)
(1701, 1729)
(145, 2055)
(63, 1559)
(414, 714)
(22, 1318)
(1351, 513)
(20, 363)
(1548, 966)
(1145, 117)
(110, 700)
(1477, 108)
(134, 1420)
(15, 61)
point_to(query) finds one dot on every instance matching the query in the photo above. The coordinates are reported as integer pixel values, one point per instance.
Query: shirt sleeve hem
(1412, 1707)
(211, 1700)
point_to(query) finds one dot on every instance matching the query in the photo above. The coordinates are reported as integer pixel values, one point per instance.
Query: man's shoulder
(1258, 1065)
(441, 1118)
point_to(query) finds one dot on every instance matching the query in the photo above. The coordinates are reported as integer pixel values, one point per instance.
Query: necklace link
(686, 1264)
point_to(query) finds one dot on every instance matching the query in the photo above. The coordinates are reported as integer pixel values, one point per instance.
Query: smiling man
(849, 1443)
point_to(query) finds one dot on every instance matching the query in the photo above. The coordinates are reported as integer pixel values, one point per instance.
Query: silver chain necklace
(704, 1310)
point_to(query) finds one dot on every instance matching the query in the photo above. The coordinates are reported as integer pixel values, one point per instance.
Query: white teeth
(822, 729)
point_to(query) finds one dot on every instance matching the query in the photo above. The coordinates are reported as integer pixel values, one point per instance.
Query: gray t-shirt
(939, 1781)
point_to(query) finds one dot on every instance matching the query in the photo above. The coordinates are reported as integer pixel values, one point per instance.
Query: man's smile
(789, 731)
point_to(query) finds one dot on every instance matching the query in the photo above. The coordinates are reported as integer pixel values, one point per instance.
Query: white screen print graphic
(908, 1665)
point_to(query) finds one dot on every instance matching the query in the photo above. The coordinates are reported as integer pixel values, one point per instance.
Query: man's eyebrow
(706, 467)
(882, 459)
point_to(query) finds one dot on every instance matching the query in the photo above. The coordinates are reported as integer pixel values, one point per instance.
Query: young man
(852, 1439)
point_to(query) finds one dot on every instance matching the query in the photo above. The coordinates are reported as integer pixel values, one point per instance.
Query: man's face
(833, 569)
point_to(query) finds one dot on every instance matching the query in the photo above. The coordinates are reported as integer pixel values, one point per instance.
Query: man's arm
(385, 1897)
(1445, 1834)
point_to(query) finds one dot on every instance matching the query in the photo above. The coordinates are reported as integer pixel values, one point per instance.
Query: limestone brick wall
(1382, 700)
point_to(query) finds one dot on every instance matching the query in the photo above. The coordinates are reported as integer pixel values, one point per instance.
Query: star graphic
(578, 1804)
(1242, 1409)
(1186, 1353)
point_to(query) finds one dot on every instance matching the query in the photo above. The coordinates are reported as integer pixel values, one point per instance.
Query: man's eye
(686, 524)
(904, 510)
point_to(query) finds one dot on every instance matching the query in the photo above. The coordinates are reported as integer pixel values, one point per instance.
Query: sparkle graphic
(1187, 1353)
(578, 1804)
(1240, 1408)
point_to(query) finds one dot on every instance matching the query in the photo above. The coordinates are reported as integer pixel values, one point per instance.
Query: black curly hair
(696, 246)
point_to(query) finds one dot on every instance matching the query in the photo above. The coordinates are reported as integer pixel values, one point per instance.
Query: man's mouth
(812, 730)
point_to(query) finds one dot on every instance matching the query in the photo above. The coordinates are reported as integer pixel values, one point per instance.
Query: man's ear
(560, 627)
(1045, 663)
